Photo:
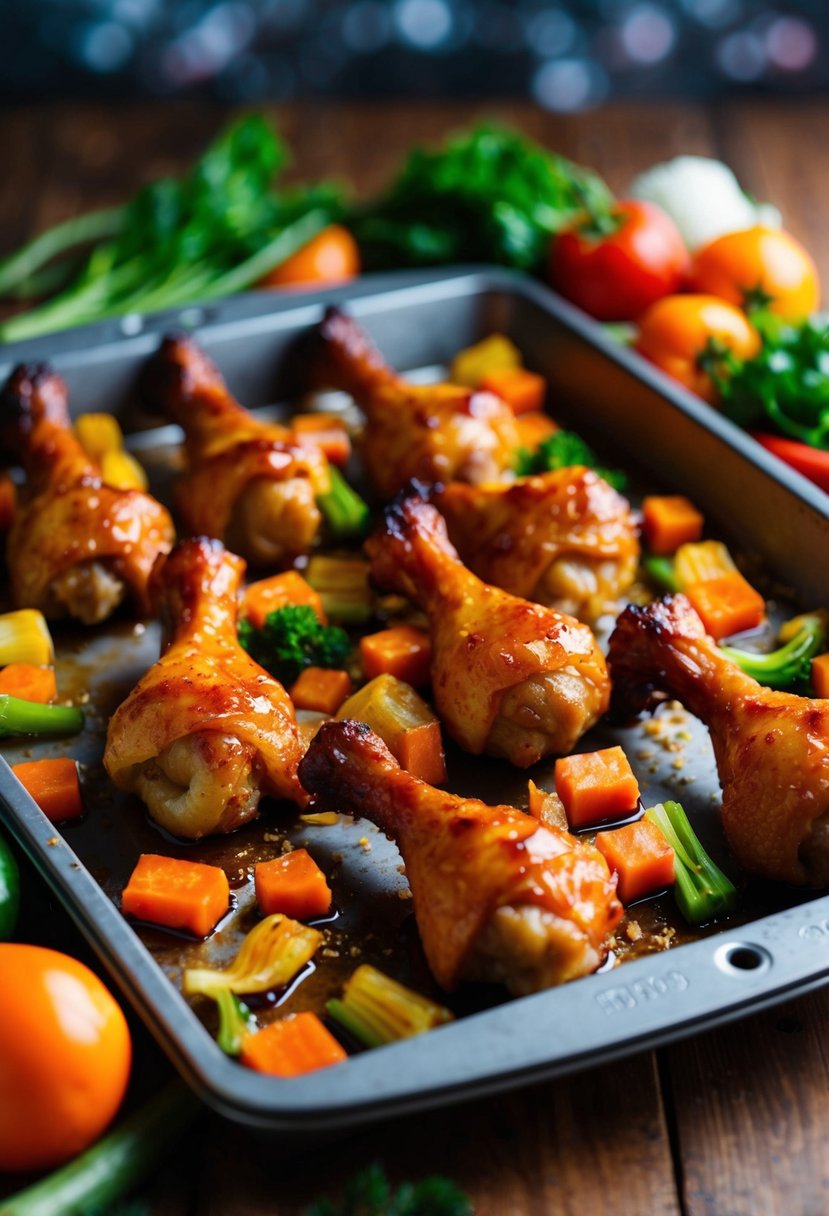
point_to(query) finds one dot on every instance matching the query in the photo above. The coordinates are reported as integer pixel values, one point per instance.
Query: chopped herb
(292, 639)
(370, 1194)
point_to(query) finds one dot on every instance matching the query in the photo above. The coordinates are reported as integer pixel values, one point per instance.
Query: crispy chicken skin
(509, 678)
(435, 432)
(497, 896)
(771, 748)
(206, 731)
(77, 546)
(245, 482)
(565, 539)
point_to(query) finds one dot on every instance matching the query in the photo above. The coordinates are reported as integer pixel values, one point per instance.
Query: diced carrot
(533, 428)
(296, 1044)
(177, 894)
(293, 884)
(596, 786)
(325, 431)
(545, 805)
(820, 675)
(670, 521)
(270, 594)
(641, 856)
(420, 752)
(523, 391)
(727, 605)
(29, 682)
(401, 651)
(54, 785)
(8, 502)
(321, 688)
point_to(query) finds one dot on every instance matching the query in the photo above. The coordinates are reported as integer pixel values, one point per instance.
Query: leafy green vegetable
(346, 514)
(487, 195)
(370, 1194)
(561, 450)
(784, 388)
(702, 891)
(791, 663)
(291, 639)
(216, 231)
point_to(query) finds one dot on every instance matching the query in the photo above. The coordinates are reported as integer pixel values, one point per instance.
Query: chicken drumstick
(206, 731)
(77, 546)
(435, 432)
(497, 896)
(771, 748)
(565, 538)
(509, 678)
(246, 483)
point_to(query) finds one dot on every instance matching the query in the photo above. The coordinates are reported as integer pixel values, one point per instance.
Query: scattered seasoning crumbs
(653, 727)
(404, 893)
(287, 847)
(678, 763)
(684, 735)
(644, 754)
(322, 819)
(53, 840)
(272, 837)
(633, 931)
(328, 952)
(365, 844)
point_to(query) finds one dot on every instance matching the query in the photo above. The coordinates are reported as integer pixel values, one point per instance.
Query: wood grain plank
(751, 1103)
(560, 1149)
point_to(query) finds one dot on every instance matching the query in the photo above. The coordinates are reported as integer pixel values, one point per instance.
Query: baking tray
(633, 412)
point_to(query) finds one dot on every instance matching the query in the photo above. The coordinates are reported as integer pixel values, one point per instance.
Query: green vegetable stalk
(293, 638)
(235, 1021)
(790, 664)
(346, 514)
(661, 572)
(115, 1164)
(702, 891)
(9, 892)
(30, 718)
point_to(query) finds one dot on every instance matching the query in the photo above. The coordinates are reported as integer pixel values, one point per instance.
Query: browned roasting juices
(245, 482)
(77, 547)
(435, 432)
(206, 732)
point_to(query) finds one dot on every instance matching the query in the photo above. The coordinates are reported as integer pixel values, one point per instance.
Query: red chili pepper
(811, 462)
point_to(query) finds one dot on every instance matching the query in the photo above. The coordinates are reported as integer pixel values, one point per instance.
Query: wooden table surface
(734, 1122)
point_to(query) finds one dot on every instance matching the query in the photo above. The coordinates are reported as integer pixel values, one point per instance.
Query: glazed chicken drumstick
(509, 678)
(77, 546)
(497, 896)
(435, 432)
(246, 483)
(771, 748)
(206, 732)
(565, 538)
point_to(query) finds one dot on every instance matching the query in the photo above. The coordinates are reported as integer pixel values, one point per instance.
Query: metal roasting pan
(638, 418)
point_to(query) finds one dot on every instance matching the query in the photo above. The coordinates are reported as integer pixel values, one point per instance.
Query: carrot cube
(293, 884)
(325, 431)
(177, 894)
(321, 688)
(596, 786)
(727, 605)
(29, 682)
(533, 428)
(641, 856)
(270, 594)
(401, 651)
(523, 391)
(820, 675)
(668, 522)
(420, 752)
(297, 1044)
(54, 785)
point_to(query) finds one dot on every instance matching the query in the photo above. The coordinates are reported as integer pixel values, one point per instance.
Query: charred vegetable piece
(702, 891)
(378, 1010)
(293, 638)
(271, 955)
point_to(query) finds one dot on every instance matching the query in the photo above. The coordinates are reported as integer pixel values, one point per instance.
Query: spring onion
(271, 955)
(702, 891)
(378, 1010)
(30, 718)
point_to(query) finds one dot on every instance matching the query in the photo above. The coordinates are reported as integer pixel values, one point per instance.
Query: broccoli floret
(789, 665)
(369, 1194)
(561, 450)
(293, 638)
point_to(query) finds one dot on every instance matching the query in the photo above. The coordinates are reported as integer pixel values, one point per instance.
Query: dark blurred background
(566, 56)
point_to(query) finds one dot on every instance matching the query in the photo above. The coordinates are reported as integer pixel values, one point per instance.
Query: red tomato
(615, 277)
(64, 1057)
(675, 332)
(759, 268)
(331, 257)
